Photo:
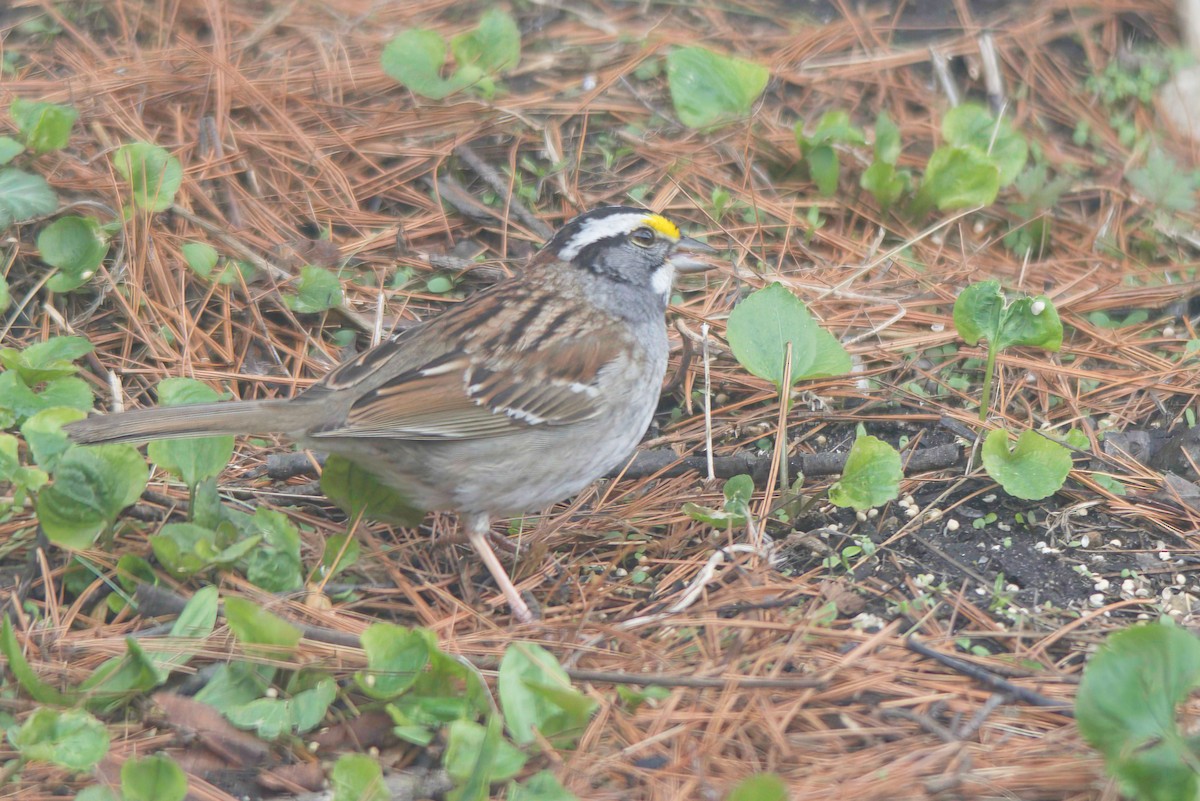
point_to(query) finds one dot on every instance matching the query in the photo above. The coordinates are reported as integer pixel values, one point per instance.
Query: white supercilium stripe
(601, 228)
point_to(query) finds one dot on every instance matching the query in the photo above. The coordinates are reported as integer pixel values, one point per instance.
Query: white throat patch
(661, 279)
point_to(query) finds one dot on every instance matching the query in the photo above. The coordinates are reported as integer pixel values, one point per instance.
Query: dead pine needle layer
(297, 149)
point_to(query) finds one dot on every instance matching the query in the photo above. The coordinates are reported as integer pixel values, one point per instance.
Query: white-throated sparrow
(518, 397)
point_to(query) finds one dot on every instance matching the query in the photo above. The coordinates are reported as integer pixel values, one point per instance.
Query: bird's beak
(685, 260)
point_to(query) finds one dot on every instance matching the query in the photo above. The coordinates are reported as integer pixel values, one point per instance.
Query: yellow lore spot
(662, 225)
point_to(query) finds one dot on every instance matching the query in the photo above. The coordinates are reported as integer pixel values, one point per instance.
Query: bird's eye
(643, 237)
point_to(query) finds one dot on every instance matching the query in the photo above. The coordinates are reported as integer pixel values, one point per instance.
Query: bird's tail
(182, 422)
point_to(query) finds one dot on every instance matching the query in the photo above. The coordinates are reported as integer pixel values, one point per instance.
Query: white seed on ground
(272, 692)
(1127, 586)
(1096, 599)
(937, 328)
(912, 511)
(860, 517)
(1085, 541)
(1181, 579)
(872, 513)
(1115, 543)
(952, 525)
(822, 440)
(1102, 584)
(981, 591)
(989, 498)
(1164, 556)
(933, 515)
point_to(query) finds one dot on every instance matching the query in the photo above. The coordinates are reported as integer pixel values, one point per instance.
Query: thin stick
(708, 439)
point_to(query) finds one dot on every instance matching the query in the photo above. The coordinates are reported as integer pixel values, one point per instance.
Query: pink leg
(477, 530)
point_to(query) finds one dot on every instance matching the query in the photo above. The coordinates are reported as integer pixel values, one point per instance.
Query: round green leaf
(760, 327)
(396, 658)
(253, 625)
(494, 47)
(1127, 706)
(359, 493)
(200, 257)
(43, 126)
(43, 432)
(541, 786)
(23, 197)
(192, 460)
(1034, 469)
(760, 787)
(153, 778)
(415, 58)
(71, 738)
(709, 89)
(9, 149)
(468, 754)
(153, 174)
(536, 694)
(871, 476)
(959, 177)
(970, 124)
(317, 290)
(91, 486)
(76, 246)
(357, 777)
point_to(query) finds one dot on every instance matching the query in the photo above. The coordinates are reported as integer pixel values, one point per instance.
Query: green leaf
(272, 718)
(884, 183)
(358, 777)
(91, 487)
(43, 361)
(317, 290)
(153, 778)
(120, 679)
(235, 684)
(738, 492)
(276, 565)
(871, 477)
(360, 493)
(1164, 184)
(887, 140)
(760, 787)
(439, 284)
(536, 694)
(980, 312)
(153, 173)
(44, 126)
(18, 402)
(824, 168)
(76, 246)
(396, 657)
(958, 177)
(192, 460)
(254, 626)
(1127, 708)
(971, 125)
(38, 690)
(196, 622)
(200, 257)
(466, 754)
(760, 327)
(5, 297)
(96, 792)
(9, 149)
(71, 739)
(341, 552)
(494, 47)
(415, 58)
(45, 437)
(23, 197)
(541, 786)
(1034, 469)
(708, 89)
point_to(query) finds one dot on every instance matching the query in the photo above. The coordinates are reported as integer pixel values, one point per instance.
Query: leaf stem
(989, 374)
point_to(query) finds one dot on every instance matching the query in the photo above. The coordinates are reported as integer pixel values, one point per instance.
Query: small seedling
(981, 156)
(818, 148)
(415, 57)
(882, 179)
(871, 476)
(982, 312)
